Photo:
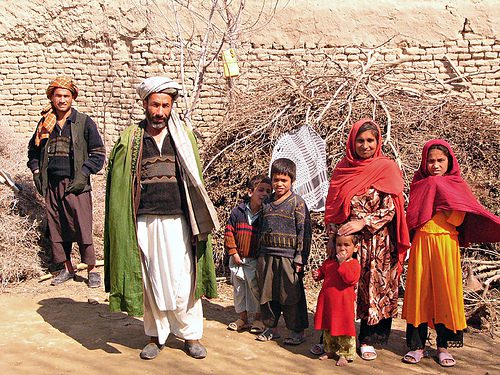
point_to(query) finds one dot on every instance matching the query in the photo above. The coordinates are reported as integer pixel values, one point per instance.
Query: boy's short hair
(256, 180)
(284, 166)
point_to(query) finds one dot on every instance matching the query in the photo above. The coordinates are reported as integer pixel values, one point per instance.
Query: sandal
(257, 327)
(317, 349)
(413, 356)
(365, 349)
(443, 357)
(238, 325)
(268, 335)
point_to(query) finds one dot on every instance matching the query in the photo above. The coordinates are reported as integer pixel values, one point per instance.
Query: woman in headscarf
(442, 214)
(366, 196)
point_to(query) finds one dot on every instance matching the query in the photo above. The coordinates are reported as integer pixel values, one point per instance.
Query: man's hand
(38, 182)
(77, 185)
(351, 227)
(237, 259)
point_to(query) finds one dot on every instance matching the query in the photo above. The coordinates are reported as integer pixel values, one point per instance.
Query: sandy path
(54, 330)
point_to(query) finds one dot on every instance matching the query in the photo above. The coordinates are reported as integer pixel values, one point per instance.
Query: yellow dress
(433, 292)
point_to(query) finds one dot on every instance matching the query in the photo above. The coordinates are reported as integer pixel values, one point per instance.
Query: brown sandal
(238, 325)
(257, 327)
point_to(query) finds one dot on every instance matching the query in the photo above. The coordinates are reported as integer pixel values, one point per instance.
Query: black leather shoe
(195, 349)
(63, 276)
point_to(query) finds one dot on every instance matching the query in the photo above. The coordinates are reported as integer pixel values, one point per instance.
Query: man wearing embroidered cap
(158, 256)
(64, 150)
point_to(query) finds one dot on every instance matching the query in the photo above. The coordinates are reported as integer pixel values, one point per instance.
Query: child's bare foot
(342, 361)
(327, 355)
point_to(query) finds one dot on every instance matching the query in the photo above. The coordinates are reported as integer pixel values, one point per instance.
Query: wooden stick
(483, 267)
(457, 72)
(488, 282)
(488, 274)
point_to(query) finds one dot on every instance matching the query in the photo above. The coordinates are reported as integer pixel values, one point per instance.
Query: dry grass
(22, 250)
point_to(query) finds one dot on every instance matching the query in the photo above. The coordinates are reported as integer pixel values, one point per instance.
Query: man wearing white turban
(158, 256)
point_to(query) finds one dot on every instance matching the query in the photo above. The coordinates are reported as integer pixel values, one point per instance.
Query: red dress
(335, 309)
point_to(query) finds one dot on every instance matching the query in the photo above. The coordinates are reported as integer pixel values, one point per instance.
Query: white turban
(159, 84)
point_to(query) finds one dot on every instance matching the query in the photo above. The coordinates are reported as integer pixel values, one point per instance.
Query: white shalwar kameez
(168, 276)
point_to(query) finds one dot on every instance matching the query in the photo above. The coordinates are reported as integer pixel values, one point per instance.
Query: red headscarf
(354, 176)
(429, 194)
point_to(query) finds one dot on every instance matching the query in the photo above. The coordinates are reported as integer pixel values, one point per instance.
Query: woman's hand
(351, 227)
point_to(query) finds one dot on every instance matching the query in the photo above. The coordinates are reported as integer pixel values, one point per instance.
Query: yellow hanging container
(230, 63)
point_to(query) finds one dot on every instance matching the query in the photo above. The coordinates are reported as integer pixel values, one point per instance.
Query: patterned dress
(378, 285)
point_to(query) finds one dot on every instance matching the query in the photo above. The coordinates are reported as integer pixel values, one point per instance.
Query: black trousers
(295, 316)
(374, 334)
(417, 336)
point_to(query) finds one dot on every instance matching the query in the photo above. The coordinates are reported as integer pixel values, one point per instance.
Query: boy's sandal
(238, 325)
(368, 349)
(268, 335)
(317, 349)
(413, 356)
(294, 340)
(257, 327)
(446, 359)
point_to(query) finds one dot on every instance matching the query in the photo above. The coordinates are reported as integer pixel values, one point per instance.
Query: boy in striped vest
(241, 244)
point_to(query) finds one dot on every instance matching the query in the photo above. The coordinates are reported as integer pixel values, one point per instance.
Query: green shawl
(122, 261)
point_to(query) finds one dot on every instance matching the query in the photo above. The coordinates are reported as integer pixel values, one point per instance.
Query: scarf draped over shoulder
(49, 119)
(123, 278)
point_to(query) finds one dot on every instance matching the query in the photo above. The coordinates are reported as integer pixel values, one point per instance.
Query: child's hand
(315, 275)
(237, 259)
(341, 257)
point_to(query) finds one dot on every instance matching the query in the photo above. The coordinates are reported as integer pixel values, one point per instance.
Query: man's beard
(156, 125)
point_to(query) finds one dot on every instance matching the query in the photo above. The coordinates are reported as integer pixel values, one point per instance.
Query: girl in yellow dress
(442, 214)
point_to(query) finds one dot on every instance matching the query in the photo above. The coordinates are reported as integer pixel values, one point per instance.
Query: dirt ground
(55, 330)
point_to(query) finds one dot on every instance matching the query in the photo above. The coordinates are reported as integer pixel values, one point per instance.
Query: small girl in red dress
(336, 300)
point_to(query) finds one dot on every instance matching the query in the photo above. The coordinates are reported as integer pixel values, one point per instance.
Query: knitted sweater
(286, 229)
(240, 236)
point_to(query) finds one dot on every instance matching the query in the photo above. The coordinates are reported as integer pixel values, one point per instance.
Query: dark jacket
(88, 150)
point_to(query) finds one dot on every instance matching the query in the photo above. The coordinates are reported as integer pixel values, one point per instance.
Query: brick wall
(107, 73)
